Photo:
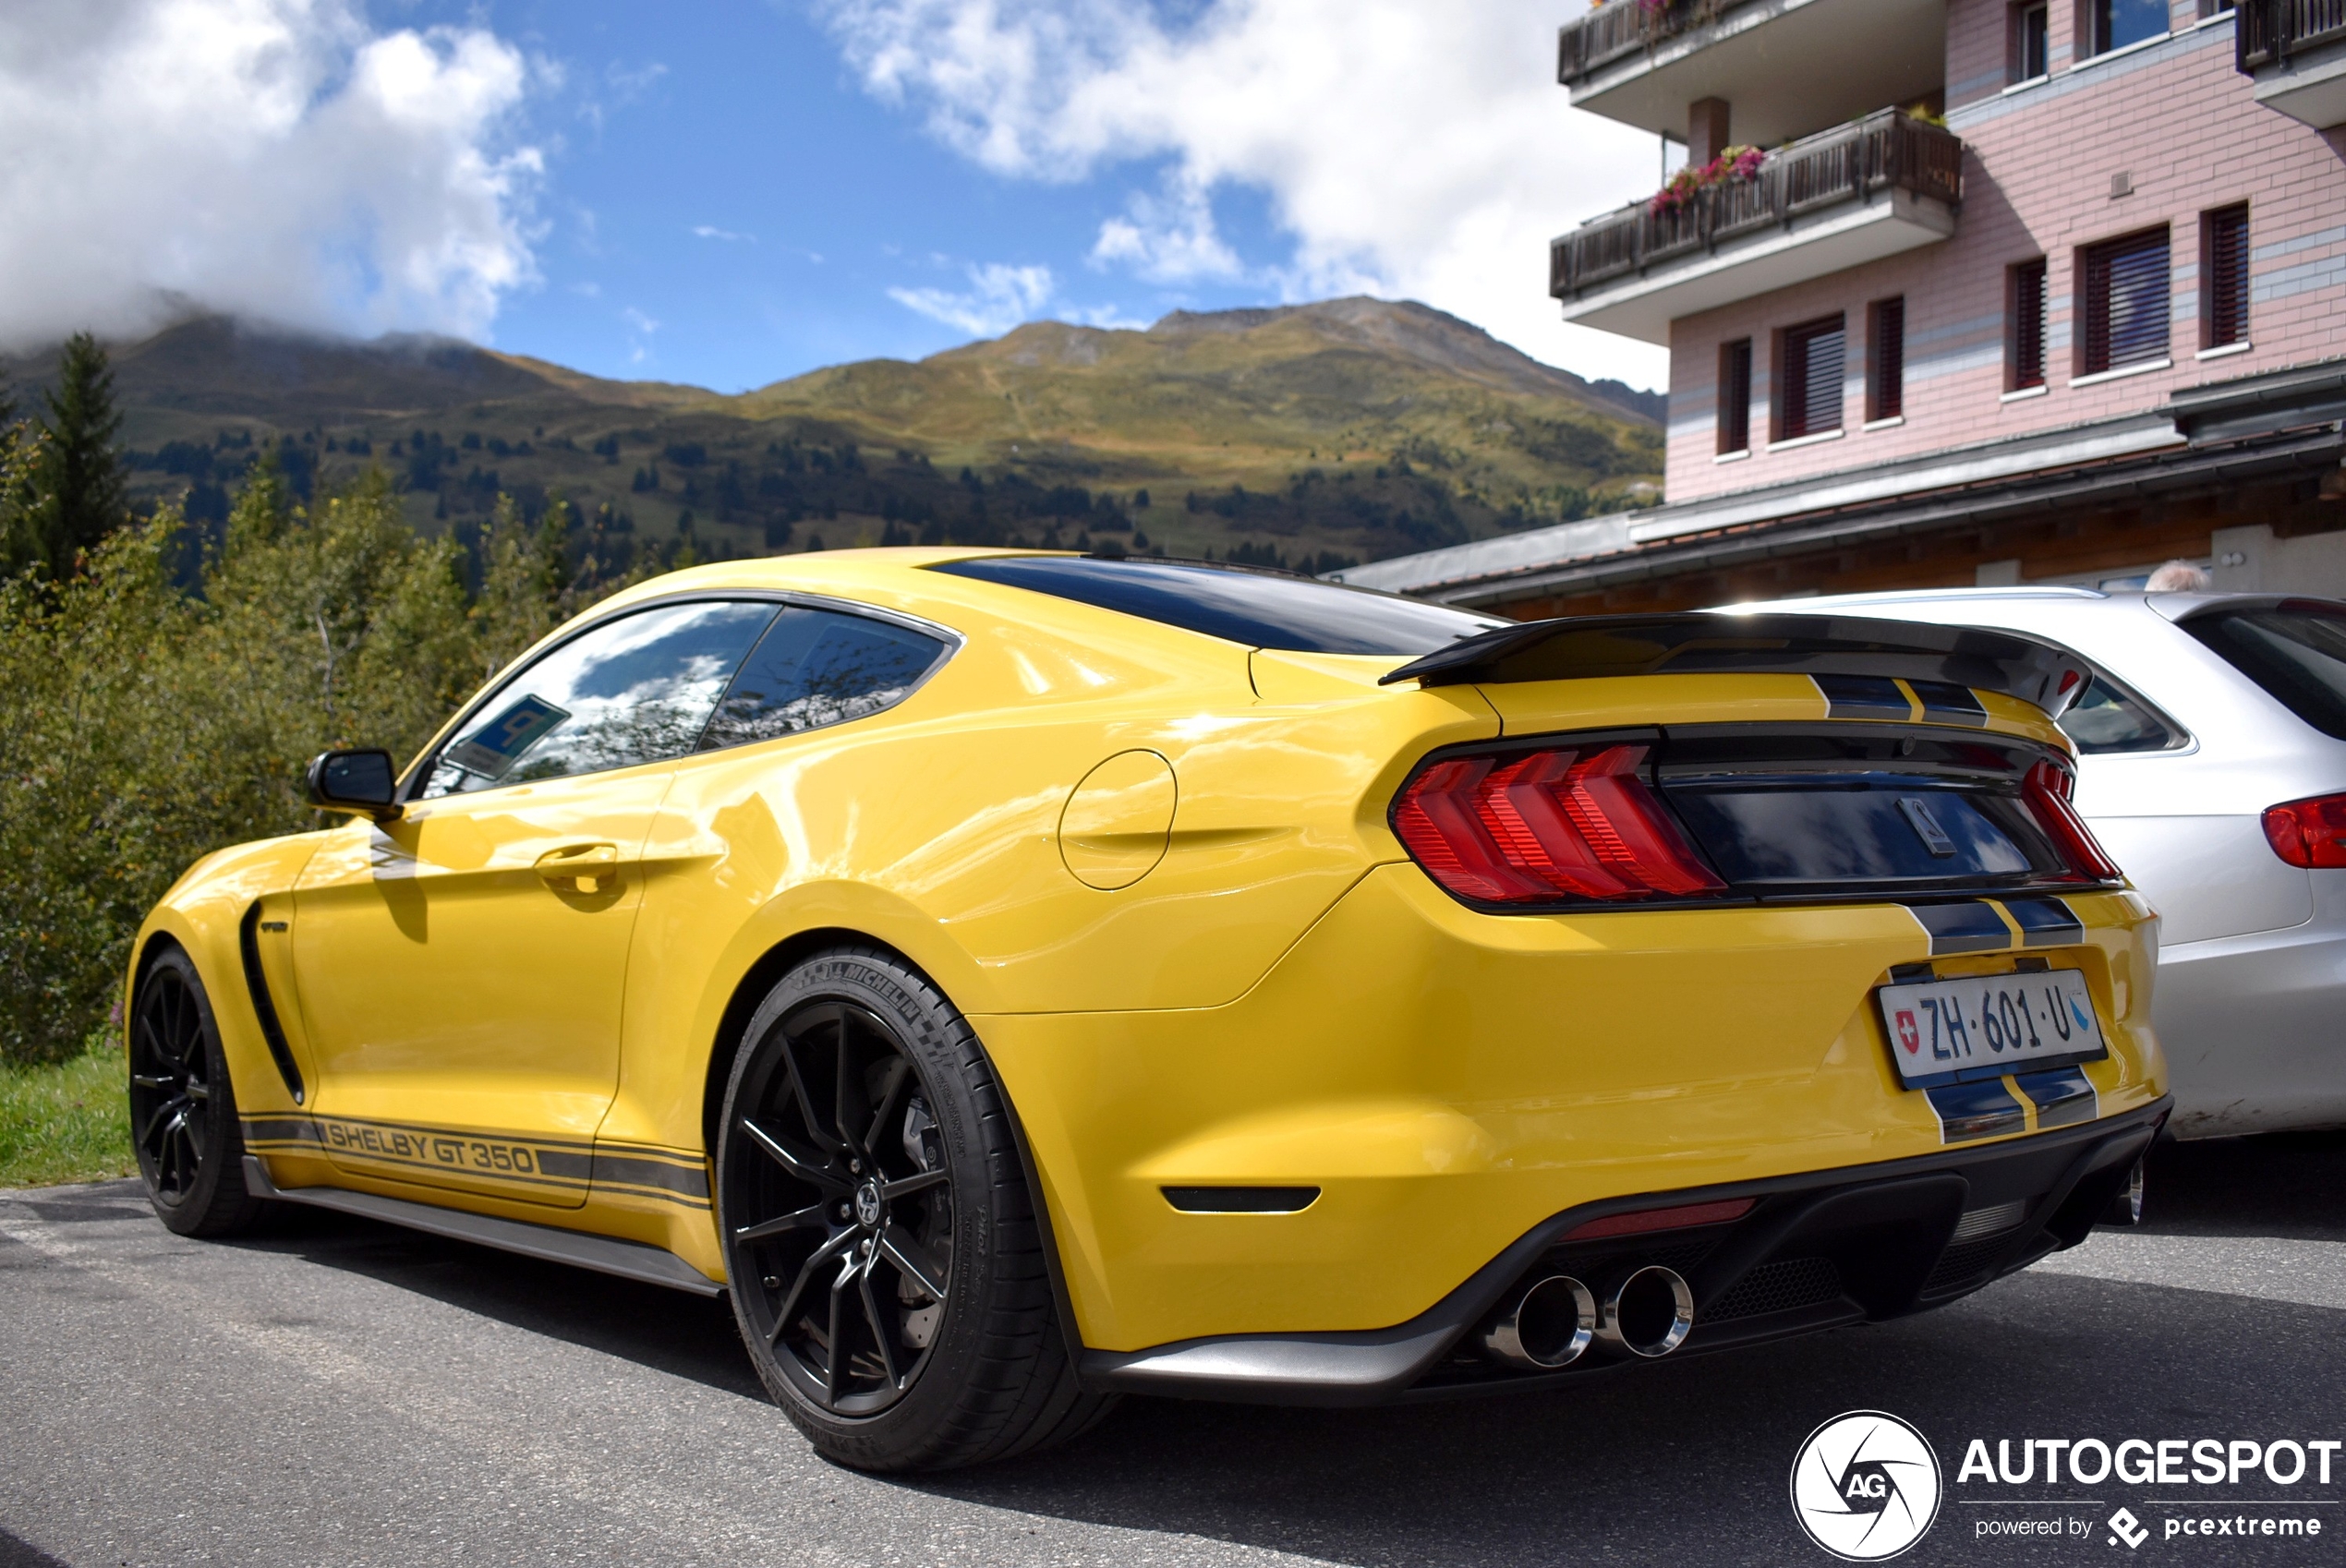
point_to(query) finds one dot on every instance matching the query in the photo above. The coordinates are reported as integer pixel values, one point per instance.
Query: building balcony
(1788, 66)
(1848, 196)
(2295, 49)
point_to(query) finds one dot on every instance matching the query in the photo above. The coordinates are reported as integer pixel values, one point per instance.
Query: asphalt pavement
(337, 1391)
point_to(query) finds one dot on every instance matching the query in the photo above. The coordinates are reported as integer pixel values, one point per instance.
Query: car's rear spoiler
(1767, 644)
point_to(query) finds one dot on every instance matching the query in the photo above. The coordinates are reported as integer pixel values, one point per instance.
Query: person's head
(2178, 577)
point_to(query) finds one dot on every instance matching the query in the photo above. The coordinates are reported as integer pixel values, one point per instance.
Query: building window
(1735, 396)
(1886, 360)
(2213, 8)
(1809, 379)
(2124, 291)
(2025, 286)
(2223, 275)
(2114, 24)
(2031, 44)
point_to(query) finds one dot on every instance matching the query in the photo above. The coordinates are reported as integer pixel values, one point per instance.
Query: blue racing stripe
(1968, 1110)
(2045, 923)
(1972, 926)
(2061, 1096)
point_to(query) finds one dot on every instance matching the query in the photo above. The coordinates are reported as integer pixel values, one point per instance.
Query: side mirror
(361, 783)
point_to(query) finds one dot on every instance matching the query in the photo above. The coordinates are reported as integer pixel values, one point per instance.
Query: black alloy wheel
(170, 1086)
(183, 1113)
(890, 1272)
(840, 1211)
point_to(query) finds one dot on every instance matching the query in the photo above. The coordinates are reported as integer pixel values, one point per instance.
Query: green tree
(77, 491)
(141, 726)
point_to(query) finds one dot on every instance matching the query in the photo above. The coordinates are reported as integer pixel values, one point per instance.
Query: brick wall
(2179, 123)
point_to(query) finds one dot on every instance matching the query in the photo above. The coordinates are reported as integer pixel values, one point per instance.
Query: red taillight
(2048, 788)
(2309, 833)
(1645, 1220)
(1539, 827)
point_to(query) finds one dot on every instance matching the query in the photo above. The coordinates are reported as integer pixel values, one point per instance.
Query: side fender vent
(256, 983)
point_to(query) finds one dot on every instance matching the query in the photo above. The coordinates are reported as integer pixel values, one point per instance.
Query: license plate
(1944, 1030)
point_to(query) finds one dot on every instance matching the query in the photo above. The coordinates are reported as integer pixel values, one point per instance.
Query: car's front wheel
(183, 1110)
(886, 1265)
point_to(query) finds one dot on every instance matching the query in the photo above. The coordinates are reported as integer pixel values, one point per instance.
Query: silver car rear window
(2296, 652)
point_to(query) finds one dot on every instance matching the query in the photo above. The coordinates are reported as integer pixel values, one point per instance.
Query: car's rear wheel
(886, 1266)
(183, 1110)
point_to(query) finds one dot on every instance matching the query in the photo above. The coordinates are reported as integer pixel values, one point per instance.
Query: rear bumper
(1445, 1081)
(1817, 1250)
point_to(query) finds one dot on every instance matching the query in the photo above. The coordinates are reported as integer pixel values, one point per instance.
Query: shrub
(142, 727)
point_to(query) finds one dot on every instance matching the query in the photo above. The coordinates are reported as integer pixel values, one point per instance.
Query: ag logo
(1865, 1486)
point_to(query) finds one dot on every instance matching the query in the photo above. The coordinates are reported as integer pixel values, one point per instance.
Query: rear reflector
(1681, 1218)
(2309, 833)
(2048, 789)
(1526, 827)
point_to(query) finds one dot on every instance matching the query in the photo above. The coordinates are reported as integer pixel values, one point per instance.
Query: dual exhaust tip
(1551, 1322)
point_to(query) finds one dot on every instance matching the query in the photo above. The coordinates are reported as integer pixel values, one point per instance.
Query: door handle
(580, 868)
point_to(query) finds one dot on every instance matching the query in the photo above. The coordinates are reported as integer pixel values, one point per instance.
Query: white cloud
(710, 231)
(1408, 149)
(1169, 239)
(278, 158)
(1000, 296)
(640, 329)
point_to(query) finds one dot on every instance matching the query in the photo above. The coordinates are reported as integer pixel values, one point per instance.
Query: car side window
(636, 689)
(2108, 718)
(819, 667)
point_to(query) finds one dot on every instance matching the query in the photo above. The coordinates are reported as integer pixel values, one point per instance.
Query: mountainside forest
(1307, 436)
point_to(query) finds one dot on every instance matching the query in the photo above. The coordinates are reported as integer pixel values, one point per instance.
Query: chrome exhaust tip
(1647, 1313)
(1548, 1326)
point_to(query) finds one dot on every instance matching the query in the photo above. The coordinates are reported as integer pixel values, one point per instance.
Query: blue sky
(728, 201)
(729, 192)
(716, 169)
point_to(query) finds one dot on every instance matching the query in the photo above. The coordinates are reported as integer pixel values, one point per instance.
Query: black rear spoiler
(1767, 643)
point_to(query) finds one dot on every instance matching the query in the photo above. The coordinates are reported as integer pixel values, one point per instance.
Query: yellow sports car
(1018, 978)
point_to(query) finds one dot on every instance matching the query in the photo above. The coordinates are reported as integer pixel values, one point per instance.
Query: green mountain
(1302, 435)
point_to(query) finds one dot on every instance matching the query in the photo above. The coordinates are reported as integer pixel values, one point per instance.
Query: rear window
(2296, 653)
(1259, 609)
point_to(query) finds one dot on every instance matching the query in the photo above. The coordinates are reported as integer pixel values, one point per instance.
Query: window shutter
(2126, 302)
(1889, 399)
(2227, 277)
(1815, 354)
(2027, 325)
(1735, 396)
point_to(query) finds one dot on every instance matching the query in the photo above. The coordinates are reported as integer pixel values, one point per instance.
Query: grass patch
(70, 1122)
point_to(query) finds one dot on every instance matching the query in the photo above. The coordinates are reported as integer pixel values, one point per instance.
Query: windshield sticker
(497, 744)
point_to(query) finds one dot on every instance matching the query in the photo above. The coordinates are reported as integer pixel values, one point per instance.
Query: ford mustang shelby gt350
(1016, 978)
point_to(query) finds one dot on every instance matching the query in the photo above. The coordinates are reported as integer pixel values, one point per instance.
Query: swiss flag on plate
(1909, 1035)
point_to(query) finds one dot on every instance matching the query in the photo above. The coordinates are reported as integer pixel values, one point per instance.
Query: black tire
(183, 1109)
(871, 1201)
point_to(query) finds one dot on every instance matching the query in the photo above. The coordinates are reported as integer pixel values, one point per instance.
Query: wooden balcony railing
(2269, 31)
(1887, 151)
(1620, 27)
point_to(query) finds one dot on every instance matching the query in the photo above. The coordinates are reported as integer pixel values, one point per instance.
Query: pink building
(2020, 290)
